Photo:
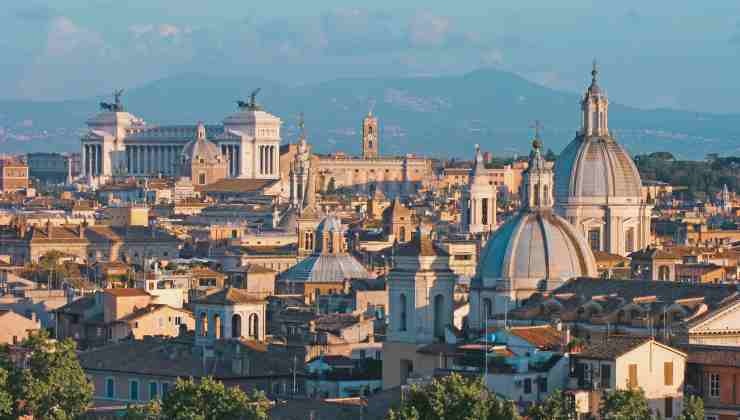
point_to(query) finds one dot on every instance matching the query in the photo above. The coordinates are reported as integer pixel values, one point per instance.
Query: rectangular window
(714, 385)
(133, 392)
(542, 384)
(153, 390)
(668, 407)
(632, 380)
(668, 373)
(606, 376)
(110, 388)
(594, 239)
(528, 386)
(165, 389)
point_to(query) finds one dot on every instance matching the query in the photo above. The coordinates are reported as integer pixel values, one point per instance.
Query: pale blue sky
(680, 54)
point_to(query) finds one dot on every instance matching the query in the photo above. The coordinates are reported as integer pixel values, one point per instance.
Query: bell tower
(370, 138)
(595, 108)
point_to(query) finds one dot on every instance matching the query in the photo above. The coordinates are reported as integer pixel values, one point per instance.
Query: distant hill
(439, 116)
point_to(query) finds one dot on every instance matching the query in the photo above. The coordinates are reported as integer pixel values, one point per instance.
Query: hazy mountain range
(437, 116)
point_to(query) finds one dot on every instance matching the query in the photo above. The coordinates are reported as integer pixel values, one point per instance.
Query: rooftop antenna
(371, 107)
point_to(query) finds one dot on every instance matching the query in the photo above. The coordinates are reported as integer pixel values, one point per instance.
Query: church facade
(119, 144)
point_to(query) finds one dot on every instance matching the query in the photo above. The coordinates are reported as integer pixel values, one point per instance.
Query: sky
(678, 54)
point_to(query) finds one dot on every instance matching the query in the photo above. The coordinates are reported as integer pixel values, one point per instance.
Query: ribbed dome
(534, 246)
(326, 268)
(595, 167)
(201, 148)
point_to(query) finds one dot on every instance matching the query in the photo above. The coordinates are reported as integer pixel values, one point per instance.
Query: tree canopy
(556, 406)
(453, 397)
(624, 405)
(206, 399)
(53, 386)
(693, 409)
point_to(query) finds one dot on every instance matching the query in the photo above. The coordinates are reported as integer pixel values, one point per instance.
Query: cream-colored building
(120, 144)
(15, 328)
(620, 363)
(132, 215)
(597, 186)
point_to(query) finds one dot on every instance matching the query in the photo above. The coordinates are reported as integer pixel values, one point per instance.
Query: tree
(453, 397)
(207, 399)
(557, 406)
(624, 405)
(7, 400)
(149, 411)
(693, 409)
(54, 386)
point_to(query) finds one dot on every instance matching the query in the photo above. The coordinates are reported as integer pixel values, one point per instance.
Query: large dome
(535, 246)
(596, 169)
(201, 148)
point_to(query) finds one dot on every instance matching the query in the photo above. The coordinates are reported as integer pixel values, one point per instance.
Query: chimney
(81, 230)
(48, 229)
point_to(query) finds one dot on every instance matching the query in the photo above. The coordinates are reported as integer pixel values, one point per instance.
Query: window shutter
(668, 373)
(632, 376)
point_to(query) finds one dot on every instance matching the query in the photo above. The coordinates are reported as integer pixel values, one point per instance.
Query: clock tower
(370, 137)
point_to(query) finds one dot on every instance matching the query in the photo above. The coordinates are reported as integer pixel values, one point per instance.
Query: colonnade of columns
(267, 160)
(152, 159)
(92, 159)
(233, 153)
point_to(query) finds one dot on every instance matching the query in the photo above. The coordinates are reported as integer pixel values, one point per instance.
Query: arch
(254, 326)
(439, 315)
(203, 324)
(236, 326)
(402, 319)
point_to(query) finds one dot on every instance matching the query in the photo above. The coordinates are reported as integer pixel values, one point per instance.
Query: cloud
(65, 37)
(428, 30)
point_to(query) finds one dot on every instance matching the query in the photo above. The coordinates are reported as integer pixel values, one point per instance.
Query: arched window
(629, 240)
(402, 233)
(254, 326)
(236, 326)
(203, 324)
(439, 316)
(545, 195)
(402, 321)
(536, 194)
(487, 308)
(484, 211)
(218, 328)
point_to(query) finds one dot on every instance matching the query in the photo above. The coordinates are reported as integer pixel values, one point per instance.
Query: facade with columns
(479, 200)
(597, 185)
(120, 144)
